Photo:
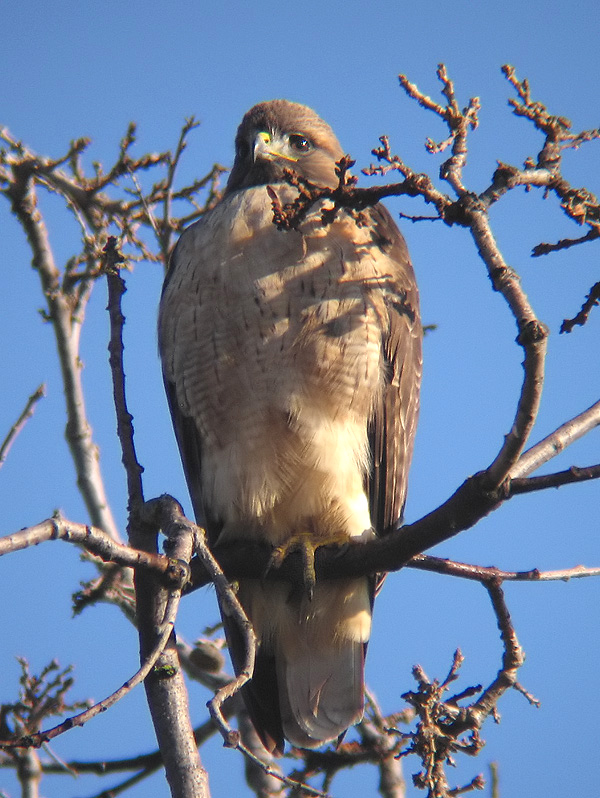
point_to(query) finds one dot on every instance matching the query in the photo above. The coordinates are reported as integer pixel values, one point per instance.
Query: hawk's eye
(299, 143)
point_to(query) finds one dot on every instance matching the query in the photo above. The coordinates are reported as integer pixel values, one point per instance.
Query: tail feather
(308, 682)
(321, 694)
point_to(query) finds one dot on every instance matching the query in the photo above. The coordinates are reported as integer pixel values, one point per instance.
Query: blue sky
(73, 69)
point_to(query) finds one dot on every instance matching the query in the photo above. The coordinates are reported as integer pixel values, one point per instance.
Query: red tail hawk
(292, 361)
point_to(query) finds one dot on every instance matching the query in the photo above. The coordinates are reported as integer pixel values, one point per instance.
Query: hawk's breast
(282, 365)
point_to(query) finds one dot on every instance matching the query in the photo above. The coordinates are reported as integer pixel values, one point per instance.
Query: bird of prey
(292, 363)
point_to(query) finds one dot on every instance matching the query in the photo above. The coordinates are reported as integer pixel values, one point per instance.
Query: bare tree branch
(96, 541)
(165, 686)
(444, 727)
(557, 441)
(66, 292)
(36, 739)
(21, 192)
(116, 289)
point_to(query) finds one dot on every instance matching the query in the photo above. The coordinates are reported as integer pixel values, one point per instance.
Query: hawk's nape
(292, 362)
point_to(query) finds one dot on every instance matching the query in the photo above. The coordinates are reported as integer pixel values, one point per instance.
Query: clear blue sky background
(71, 69)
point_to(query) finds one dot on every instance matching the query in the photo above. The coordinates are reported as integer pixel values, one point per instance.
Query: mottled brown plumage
(292, 361)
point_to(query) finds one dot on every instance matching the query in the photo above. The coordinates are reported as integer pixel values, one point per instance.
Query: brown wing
(184, 425)
(393, 426)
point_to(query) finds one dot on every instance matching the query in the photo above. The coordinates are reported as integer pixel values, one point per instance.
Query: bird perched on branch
(292, 363)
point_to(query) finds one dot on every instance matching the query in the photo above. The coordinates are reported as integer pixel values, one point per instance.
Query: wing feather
(392, 428)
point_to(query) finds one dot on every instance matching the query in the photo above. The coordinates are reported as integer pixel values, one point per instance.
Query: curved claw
(304, 545)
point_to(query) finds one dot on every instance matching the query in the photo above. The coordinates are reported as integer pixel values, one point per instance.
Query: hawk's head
(279, 135)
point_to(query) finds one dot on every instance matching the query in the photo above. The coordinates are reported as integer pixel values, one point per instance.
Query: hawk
(292, 364)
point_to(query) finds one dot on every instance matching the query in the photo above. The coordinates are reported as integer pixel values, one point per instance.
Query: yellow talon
(306, 544)
(302, 543)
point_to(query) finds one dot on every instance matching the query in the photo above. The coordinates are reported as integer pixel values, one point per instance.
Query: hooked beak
(269, 148)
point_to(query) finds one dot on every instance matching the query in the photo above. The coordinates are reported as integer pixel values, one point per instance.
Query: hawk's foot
(303, 543)
(306, 545)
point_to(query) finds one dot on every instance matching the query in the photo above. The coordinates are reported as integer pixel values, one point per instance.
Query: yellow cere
(266, 140)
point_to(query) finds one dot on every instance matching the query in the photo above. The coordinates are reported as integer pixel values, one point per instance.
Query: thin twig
(481, 573)
(21, 421)
(116, 289)
(591, 300)
(164, 237)
(569, 476)
(556, 442)
(263, 784)
(564, 243)
(512, 658)
(232, 607)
